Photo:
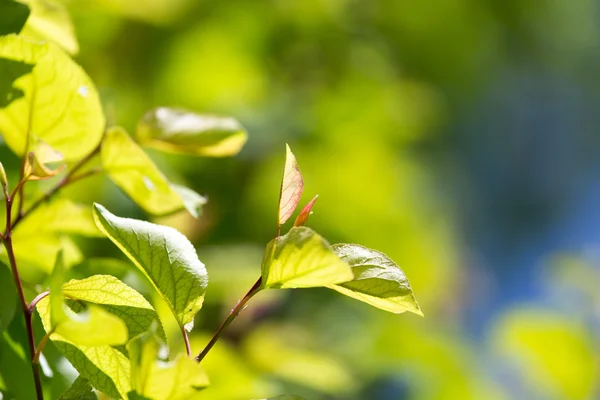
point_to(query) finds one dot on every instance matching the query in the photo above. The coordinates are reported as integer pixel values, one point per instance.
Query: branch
(232, 314)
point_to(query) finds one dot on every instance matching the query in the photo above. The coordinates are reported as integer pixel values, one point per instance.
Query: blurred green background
(460, 137)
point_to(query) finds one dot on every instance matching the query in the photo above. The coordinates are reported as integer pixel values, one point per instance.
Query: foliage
(52, 120)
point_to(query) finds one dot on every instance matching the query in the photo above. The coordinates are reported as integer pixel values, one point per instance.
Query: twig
(232, 314)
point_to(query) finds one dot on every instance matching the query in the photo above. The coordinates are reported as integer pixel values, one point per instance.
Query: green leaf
(106, 367)
(158, 380)
(164, 255)
(40, 251)
(59, 105)
(378, 281)
(15, 364)
(93, 327)
(285, 397)
(301, 259)
(8, 297)
(117, 298)
(81, 389)
(10, 71)
(50, 20)
(130, 168)
(13, 16)
(181, 131)
(292, 186)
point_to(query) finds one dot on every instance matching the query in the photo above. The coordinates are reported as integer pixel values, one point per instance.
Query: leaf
(57, 217)
(181, 131)
(158, 380)
(50, 20)
(305, 213)
(13, 16)
(130, 168)
(117, 298)
(164, 255)
(40, 251)
(285, 397)
(93, 327)
(81, 389)
(37, 170)
(8, 297)
(15, 361)
(292, 186)
(59, 104)
(302, 258)
(378, 281)
(104, 366)
(10, 71)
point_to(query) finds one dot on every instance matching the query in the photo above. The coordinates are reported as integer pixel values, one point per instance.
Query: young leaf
(50, 20)
(93, 327)
(181, 131)
(3, 179)
(104, 366)
(157, 380)
(377, 281)
(130, 168)
(13, 16)
(81, 389)
(291, 187)
(305, 213)
(59, 105)
(117, 298)
(37, 170)
(302, 258)
(8, 297)
(164, 255)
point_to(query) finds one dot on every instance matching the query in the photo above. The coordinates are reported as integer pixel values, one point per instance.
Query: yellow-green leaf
(104, 366)
(378, 281)
(292, 186)
(159, 380)
(130, 168)
(93, 327)
(181, 131)
(81, 389)
(164, 255)
(50, 20)
(58, 105)
(302, 258)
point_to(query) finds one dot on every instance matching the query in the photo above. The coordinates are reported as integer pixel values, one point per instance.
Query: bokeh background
(460, 137)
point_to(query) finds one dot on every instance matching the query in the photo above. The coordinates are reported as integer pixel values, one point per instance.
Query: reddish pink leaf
(291, 187)
(305, 213)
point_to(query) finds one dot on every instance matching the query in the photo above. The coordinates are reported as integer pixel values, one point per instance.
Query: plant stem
(186, 339)
(65, 181)
(28, 322)
(235, 311)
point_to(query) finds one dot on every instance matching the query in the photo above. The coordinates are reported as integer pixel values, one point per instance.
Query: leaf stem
(25, 307)
(186, 339)
(65, 181)
(41, 345)
(36, 300)
(235, 311)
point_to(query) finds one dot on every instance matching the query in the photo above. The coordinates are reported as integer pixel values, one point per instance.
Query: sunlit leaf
(181, 131)
(117, 298)
(104, 366)
(285, 397)
(130, 168)
(13, 16)
(159, 380)
(93, 327)
(164, 255)
(59, 105)
(40, 251)
(305, 213)
(37, 170)
(291, 187)
(59, 216)
(8, 297)
(377, 281)
(50, 20)
(302, 258)
(81, 389)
